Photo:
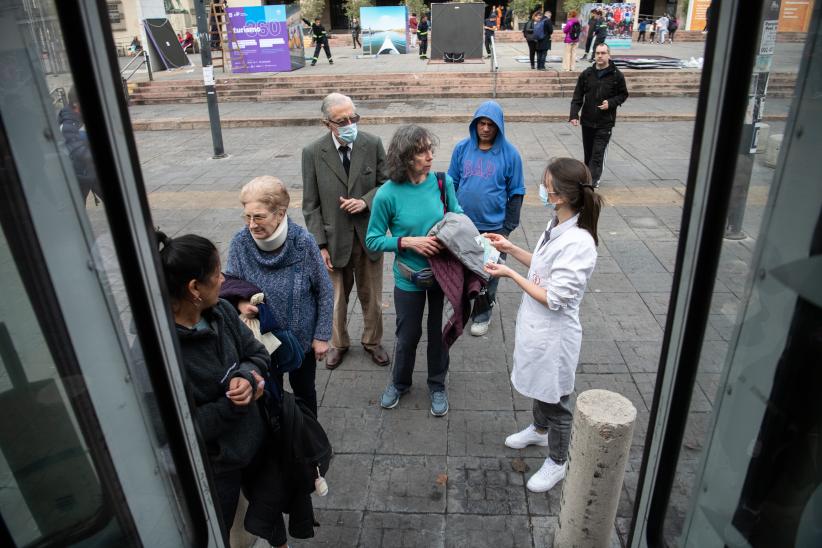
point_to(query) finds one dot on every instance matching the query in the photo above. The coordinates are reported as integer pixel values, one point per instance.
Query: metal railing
(494, 66)
(142, 57)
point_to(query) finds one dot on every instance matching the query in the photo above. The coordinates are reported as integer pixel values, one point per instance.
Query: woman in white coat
(548, 332)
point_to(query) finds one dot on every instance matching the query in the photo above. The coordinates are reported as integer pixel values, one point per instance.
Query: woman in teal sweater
(408, 205)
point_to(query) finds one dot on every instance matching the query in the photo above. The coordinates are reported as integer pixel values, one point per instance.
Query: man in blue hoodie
(487, 174)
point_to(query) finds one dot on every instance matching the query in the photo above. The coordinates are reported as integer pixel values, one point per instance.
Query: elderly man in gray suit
(341, 173)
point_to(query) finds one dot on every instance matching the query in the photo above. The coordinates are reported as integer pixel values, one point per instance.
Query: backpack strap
(441, 183)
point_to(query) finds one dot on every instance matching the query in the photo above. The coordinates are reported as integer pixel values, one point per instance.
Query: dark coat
(459, 285)
(591, 90)
(324, 181)
(212, 357)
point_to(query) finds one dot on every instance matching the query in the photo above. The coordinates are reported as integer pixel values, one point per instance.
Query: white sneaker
(478, 329)
(549, 474)
(527, 437)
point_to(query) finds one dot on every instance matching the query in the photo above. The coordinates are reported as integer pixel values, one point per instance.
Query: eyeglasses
(260, 217)
(345, 121)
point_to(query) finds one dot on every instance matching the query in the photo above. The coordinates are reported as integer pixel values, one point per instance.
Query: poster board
(164, 49)
(384, 30)
(620, 21)
(265, 38)
(696, 14)
(795, 15)
(461, 29)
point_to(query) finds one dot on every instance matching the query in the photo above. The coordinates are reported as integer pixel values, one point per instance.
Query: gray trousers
(556, 418)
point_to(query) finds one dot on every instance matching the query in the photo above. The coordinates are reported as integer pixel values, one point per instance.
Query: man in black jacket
(72, 128)
(600, 90)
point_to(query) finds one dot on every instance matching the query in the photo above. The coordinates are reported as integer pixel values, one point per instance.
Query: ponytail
(589, 212)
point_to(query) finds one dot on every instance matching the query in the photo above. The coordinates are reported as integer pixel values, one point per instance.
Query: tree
(569, 5)
(352, 7)
(416, 6)
(312, 8)
(524, 8)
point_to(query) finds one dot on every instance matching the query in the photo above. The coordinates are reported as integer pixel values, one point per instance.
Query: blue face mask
(347, 134)
(543, 197)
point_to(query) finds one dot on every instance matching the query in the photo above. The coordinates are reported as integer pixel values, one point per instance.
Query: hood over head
(492, 111)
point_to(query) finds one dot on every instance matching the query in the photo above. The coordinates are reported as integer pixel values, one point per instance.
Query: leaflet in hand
(490, 253)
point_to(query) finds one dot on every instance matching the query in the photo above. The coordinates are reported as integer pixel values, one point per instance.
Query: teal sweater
(407, 209)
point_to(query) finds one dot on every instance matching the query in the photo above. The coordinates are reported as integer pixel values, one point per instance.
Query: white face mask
(277, 239)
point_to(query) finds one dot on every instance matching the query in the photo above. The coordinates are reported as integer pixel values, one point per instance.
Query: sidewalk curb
(172, 124)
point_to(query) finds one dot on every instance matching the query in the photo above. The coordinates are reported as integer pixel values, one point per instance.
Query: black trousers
(410, 306)
(356, 38)
(228, 486)
(303, 381)
(595, 144)
(532, 51)
(641, 37)
(324, 45)
(487, 45)
(423, 46)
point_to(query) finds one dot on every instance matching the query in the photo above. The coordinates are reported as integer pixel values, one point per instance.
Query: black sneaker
(331, 61)
(313, 63)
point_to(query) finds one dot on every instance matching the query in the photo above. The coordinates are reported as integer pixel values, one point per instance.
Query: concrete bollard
(774, 145)
(762, 139)
(600, 443)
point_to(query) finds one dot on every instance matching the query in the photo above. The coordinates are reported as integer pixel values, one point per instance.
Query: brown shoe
(334, 357)
(378, 355)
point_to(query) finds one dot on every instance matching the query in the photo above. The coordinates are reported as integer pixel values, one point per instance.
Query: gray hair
(332, 100)
(268, 190)
(406, 142)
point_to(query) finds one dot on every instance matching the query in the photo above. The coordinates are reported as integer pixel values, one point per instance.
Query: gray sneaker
(439, 403)
(391, 397)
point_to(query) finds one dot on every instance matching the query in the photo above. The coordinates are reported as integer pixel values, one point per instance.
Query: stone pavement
(173, 117)
(402, 477)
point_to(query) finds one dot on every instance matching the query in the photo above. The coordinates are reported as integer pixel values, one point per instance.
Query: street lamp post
(203, 32)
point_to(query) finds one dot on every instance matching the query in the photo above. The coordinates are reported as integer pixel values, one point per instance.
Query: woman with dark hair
(411, 202)
(282, 258)
(224, 366)
(548, 332)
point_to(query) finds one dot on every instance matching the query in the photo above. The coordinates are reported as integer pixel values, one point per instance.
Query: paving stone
(480, 391)
(659, 282)
(480, 433)
(469, 531)
(640, 356)
(337, 528)
(388, 530)
(612, 282)
(601, 357)
(348, 477)
(407, 484)
(484, 485)
(541, 504)
(354, 389)
(657, 303)
(400, 428)
(353, 430)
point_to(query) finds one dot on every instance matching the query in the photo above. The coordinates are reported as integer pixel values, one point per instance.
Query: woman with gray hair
(408, 205)
(282, 259)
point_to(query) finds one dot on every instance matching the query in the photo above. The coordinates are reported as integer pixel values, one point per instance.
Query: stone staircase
(523, 84)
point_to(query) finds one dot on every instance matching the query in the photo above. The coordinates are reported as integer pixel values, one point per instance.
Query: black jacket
(212, 357)
(591, 90)
(320, 35)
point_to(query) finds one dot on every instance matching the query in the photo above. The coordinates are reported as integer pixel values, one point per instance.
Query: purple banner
(259, 39)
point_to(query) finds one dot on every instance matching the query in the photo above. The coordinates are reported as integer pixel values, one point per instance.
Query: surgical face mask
(347, 134)
(543, 197)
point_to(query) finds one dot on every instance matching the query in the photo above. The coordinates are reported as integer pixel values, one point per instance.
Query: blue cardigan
(297, 288)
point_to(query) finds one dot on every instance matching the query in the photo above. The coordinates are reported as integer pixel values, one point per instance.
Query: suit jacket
(324, 181)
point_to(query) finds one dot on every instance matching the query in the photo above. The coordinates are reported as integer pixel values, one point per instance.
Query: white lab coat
(548, 338)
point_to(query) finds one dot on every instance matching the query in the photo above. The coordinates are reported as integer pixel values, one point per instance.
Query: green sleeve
(381, 211)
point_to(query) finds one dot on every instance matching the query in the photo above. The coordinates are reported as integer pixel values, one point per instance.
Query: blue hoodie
(486, 179)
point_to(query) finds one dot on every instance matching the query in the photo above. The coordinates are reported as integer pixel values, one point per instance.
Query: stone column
(600, 443)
